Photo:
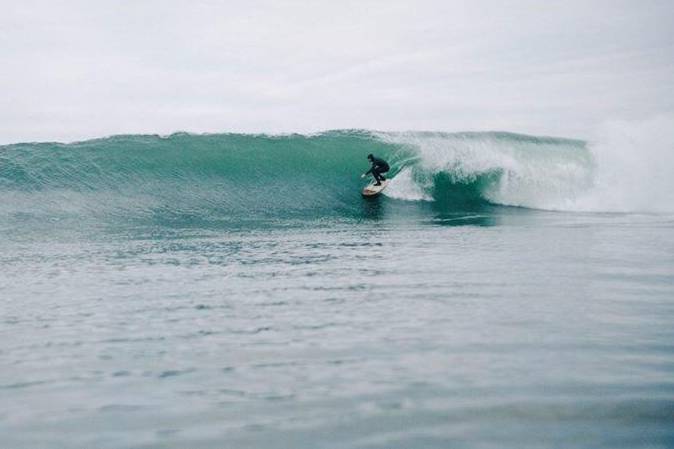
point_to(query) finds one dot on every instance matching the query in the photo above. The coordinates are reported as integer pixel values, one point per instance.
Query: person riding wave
(379, 166)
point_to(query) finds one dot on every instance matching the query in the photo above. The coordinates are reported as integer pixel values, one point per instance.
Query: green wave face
(235, 179)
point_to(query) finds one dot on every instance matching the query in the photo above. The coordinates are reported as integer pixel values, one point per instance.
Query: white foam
(628, 167)
(404, 187)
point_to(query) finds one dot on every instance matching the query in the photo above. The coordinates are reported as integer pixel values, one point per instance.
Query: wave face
(185, 179)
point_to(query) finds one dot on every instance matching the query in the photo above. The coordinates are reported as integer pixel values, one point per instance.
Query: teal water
(236, 291)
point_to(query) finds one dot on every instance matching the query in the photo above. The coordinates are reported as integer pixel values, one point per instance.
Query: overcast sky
(77, 69)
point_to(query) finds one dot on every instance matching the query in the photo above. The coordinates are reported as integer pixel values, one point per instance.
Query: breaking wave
(221, 178)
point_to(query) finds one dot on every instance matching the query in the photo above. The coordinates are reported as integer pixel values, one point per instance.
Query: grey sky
(78, 69)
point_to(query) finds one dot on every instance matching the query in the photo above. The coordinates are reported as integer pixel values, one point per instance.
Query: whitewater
(235, 290)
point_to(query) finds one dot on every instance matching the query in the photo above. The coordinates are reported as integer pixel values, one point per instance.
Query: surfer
(379, 166)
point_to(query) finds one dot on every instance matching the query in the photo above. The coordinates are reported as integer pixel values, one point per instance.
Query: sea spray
(635, 167)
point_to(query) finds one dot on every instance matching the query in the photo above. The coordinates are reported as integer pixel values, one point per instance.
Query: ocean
(236, 291)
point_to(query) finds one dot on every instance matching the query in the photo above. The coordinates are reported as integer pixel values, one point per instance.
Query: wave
(499, 168)
(185, 178)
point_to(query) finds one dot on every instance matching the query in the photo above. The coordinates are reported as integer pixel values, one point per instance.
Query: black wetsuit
(379, 166)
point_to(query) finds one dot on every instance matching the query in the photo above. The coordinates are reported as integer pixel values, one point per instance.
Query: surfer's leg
(377, 176)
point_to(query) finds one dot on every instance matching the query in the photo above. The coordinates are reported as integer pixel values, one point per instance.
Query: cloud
(76, 69)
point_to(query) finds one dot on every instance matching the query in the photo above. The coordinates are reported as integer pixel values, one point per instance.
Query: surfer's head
(370, 157)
